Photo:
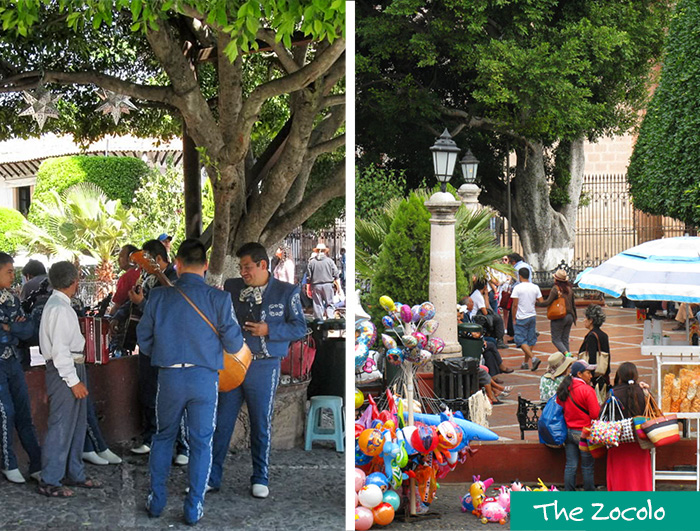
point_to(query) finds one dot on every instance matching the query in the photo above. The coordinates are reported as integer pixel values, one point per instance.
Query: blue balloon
(378, 479)
(360, 457)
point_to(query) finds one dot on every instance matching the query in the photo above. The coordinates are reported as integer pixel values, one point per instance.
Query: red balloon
(383, 514)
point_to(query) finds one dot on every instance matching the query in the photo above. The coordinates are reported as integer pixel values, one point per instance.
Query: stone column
(443, 284)
(469, 194)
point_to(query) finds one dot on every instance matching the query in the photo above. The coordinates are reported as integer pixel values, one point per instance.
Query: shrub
(403, 265)
(118, 177)
(10, 220)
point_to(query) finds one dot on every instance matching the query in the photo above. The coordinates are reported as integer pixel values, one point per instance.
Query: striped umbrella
(658, 270)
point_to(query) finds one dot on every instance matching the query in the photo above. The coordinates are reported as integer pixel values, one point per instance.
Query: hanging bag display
(557, 310)
(639, 420)
(597, 450)
(611, 428)
(661, 429)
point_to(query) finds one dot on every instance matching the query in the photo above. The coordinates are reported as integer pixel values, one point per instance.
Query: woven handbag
(612, 428)
(639, 420)
(662, 429)
(597, 450)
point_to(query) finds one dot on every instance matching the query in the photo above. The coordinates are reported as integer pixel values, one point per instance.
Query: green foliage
(118, 177)
(240, 19)
(511, 71)
(10, 221)
(79, 221)
(159, 206)
(374, 188)
(663, 170)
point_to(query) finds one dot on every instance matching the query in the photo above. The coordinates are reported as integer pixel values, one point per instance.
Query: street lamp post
(442, 207)
(469, 191)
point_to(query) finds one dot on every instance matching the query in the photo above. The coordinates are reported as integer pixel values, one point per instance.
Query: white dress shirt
(60, 339)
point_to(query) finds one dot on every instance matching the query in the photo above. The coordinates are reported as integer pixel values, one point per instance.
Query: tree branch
(285, 58)
(327, 146)
(279, 228)
(288, 84)
(335, 99)
(230, 89)
(134, 90)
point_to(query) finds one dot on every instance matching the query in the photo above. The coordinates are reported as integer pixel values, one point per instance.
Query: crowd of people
(581, 381)
(179, 327)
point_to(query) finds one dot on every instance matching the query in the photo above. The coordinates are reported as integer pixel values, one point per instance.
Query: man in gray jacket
(322, 275)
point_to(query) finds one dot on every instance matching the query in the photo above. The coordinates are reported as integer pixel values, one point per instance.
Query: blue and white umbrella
(658, 270)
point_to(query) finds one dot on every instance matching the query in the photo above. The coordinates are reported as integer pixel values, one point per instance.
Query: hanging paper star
(115, 104)
(42, 105)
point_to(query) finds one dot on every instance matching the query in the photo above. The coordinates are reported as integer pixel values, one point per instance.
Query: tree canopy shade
(536, 78)
(663, 171)
(257, 85)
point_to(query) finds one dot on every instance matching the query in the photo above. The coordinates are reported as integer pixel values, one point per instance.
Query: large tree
(663, 171)
(506, 76)
(257, 85)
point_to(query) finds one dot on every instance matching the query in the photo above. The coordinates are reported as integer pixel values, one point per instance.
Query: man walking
(524, 296)
(271, 314)
(322, 275)
(187, 352)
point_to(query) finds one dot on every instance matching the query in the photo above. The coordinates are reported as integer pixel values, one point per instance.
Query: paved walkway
(306, 493)
(625, 335)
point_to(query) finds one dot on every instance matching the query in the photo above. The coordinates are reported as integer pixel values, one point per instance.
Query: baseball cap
(164, 237)
(581, 366)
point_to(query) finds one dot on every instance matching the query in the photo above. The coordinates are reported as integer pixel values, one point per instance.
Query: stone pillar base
(288, 421)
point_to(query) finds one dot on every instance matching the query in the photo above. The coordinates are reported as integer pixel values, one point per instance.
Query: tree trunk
(547, 236)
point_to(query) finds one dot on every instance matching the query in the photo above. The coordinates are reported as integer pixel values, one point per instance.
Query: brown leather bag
(557, 310)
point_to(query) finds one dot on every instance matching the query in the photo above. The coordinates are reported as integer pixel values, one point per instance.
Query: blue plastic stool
(314, 431)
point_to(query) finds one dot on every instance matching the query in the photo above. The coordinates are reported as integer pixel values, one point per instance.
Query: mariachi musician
(271, 316)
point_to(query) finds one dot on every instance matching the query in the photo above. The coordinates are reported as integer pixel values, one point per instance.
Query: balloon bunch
(391, 452)
(412, 327)
(365, 358)
(375, 502)
(495, 508)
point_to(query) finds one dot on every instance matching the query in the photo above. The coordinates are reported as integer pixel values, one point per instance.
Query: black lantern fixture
(445, 153)
(469, 165)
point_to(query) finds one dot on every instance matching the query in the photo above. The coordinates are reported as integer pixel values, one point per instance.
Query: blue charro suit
(172, 333)
(281, 310)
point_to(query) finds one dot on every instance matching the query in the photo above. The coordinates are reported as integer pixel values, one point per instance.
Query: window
(24, 199)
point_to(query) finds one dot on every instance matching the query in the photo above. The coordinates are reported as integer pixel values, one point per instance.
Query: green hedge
(118, 177)
(10, 220)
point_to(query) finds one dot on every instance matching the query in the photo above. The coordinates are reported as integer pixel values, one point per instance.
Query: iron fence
(608, 223)
(302, 242)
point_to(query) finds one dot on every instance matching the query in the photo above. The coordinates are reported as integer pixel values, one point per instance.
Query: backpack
(33, 307)
(552, 426)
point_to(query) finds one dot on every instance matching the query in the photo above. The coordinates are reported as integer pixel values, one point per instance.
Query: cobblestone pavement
(306, 493)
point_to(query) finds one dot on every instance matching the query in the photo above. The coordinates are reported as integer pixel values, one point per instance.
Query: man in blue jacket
(271, 315)
(188, 354)
(14, 397)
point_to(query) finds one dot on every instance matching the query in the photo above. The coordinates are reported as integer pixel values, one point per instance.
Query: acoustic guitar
(235, 364)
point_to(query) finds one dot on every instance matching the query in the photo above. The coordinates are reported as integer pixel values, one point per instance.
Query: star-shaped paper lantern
(42, 105)
(115, 104)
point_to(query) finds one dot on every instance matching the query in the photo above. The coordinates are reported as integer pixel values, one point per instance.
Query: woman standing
(561, 328)
(284, 270)
(596, 341)
(576, 396)
(629, 465)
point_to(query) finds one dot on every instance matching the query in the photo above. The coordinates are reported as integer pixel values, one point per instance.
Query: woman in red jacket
(578, 399)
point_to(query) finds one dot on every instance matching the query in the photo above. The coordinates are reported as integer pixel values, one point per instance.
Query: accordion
(96, 333)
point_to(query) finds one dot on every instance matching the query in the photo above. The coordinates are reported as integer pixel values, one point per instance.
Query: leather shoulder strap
(197, 310)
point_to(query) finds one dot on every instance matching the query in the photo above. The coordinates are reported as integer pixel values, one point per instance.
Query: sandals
(53, 491)
(87, 484)
(507, 370)
(496, 402)
(506, 391)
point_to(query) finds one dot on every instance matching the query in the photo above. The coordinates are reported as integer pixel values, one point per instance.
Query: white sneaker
(36, 476)
(14, 475)
(92, 457)
(141, 450)
(181, 460)
(110, 457)
(259, 491)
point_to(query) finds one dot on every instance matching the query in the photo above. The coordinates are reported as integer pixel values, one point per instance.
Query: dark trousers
(258, 391)
(15, 412)
(65, 438)
(492, 359)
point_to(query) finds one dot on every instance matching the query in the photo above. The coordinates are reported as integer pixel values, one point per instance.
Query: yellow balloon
(387, 303)
(359, 398)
